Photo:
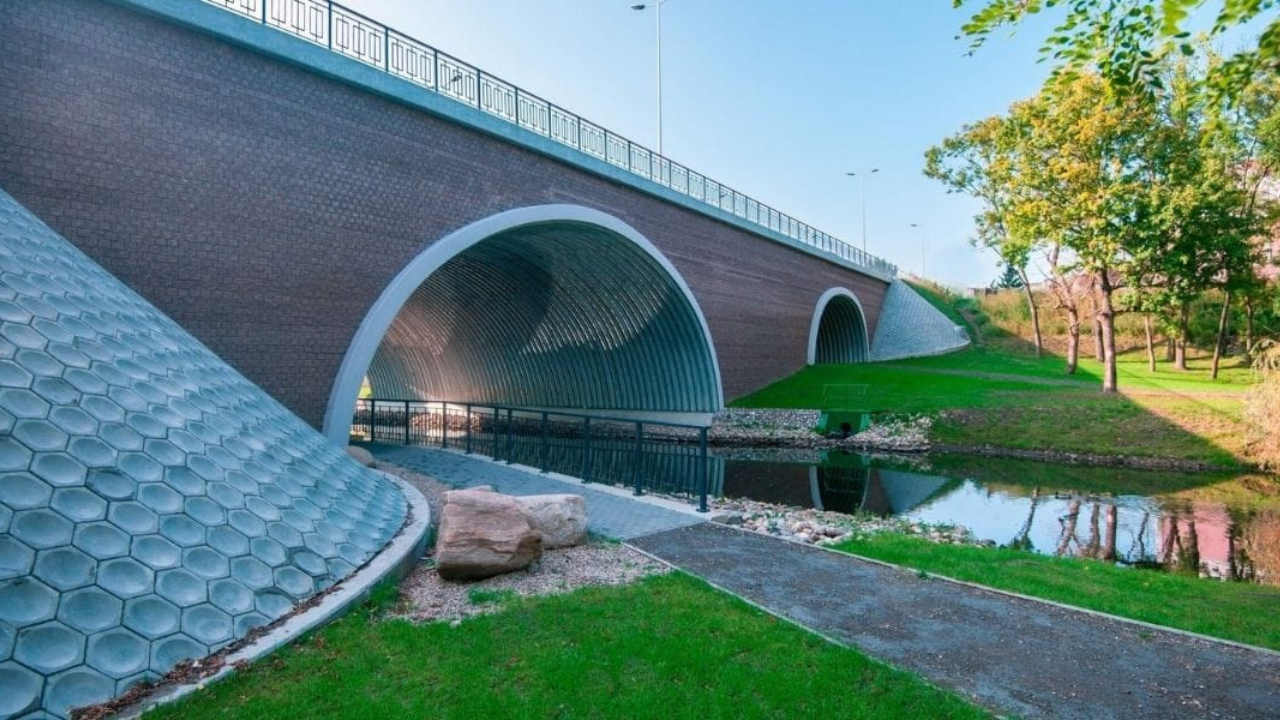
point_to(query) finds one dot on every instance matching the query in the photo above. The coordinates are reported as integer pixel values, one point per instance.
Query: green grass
(1001, 395)
(481, 596)
(668, 647)
(1234, 611)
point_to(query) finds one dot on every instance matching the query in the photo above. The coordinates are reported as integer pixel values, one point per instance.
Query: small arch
(838, 331)
(556, 306)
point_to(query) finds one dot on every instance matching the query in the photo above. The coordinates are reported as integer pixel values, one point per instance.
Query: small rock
(360, 455)
(562, 518)
(484, 534)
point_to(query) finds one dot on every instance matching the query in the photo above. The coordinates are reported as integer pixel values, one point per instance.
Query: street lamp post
(922, 247)
(657, 9)
(862, 174)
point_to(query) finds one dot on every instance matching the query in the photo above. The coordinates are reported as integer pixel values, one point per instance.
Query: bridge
(324, 201)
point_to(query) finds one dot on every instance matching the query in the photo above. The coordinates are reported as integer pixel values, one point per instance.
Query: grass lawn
(1234, 611)
(999, 394)
(667, 647)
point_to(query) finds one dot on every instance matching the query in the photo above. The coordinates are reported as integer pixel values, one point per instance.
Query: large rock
(484, 534)
(562, 519)
(360, 455)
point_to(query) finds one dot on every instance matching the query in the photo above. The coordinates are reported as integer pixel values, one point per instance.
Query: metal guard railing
(669, 458)
(349, 33)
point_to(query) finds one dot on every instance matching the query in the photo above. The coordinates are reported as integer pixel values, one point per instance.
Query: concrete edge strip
(1009, 593)
(394, 561)
(797, 624)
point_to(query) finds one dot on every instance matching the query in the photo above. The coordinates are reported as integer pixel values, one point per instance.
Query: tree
(1126, 41)
(978, 161)
(1010, 279)
(1082, 184)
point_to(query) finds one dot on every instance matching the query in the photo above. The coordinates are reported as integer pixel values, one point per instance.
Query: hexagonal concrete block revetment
(154, 504)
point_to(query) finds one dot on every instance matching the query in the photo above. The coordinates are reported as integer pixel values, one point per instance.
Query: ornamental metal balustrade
(647, 456)
(356, 36)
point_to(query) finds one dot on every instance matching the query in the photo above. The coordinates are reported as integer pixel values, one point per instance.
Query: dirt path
(1012, 655)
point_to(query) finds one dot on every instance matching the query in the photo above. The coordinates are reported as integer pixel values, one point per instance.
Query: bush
(1262, 410)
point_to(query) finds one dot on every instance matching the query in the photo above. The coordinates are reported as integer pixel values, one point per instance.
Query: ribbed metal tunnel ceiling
(842, 333)
(558, 314)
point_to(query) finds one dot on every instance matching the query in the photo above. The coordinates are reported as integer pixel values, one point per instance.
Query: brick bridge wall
(264, 206)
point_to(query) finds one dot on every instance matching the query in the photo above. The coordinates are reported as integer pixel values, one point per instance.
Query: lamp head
(641, 6)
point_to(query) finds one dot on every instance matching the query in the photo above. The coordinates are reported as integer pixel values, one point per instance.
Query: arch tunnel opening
(556, 307)
(839, 331)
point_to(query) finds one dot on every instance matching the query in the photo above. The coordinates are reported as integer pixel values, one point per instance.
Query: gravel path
(1017, 656)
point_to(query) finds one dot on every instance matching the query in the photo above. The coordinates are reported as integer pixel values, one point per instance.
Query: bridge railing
(645, 455)
(350, 33)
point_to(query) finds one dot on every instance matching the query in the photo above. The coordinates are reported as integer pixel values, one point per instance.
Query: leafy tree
(1126, 41)
(979, 161)
(1084, 184)
(1010, 279)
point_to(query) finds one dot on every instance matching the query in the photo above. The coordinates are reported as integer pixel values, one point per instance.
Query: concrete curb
(393, 562)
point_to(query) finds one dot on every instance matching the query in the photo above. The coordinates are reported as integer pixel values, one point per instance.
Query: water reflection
(1055, 512)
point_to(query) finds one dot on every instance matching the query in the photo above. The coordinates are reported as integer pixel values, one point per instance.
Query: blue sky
(776, 99)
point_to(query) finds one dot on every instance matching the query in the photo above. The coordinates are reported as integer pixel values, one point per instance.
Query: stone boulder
(562, 519)
(360, 455)
(484, 534)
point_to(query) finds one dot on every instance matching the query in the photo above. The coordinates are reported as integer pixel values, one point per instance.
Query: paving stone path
(1015, 656)
(608, 513)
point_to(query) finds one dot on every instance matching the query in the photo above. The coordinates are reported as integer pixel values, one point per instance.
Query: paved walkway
(1017, 656)
(610, 512)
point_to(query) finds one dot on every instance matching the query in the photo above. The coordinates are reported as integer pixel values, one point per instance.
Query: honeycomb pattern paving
(154, 505)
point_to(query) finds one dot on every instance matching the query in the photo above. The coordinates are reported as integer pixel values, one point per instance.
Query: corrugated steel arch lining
(838, 331)
(550, 306)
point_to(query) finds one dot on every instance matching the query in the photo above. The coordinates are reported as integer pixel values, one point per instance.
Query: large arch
(838, 331)
(556, 306)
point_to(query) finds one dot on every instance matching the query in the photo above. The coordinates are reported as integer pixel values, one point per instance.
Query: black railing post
(586, 449)
(386, 49)
(373, 422)
(406, 422)
(468, 441)
(444, 425)
(509, 430)
(479, 85)
(517, 106)
(543, 454)
(702, 470)
(264, 12)
(494, 431)
(329, 17)
(637, 460)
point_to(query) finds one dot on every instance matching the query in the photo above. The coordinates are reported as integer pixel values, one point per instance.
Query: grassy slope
(1234, 611)
(669, 647)
(1000, 394)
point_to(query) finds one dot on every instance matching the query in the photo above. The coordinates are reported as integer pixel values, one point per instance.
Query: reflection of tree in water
(1022, 541)
(1068, 523)
(1260, 548)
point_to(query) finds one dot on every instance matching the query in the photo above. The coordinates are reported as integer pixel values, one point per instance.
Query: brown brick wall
(265, 207)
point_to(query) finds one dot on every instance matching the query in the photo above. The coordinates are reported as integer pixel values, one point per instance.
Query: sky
(779, 100)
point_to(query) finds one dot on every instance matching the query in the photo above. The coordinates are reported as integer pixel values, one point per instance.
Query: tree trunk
(1068, 522)
(1248, 329)
(1035, 312)
(1073, 340)
(1169, 345)
(1222, 334)
(1151, 348)
(1099, 352)
(1109, 540)
(1106, 317)
(1180, 347)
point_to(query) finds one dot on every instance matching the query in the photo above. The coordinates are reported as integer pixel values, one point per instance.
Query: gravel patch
(823, 527)
(425, 596)
(794, 428)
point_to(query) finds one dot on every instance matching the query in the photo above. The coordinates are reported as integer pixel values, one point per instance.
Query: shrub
(1262, 409)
